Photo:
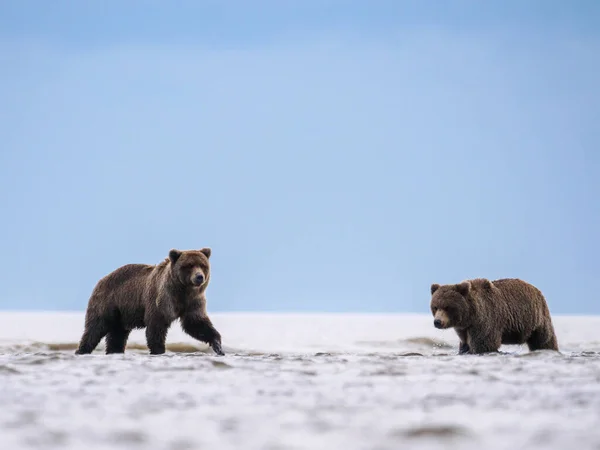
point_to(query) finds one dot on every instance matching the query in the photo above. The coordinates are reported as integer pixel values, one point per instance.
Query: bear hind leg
(542, 339)
(94, 332)
(116, 340)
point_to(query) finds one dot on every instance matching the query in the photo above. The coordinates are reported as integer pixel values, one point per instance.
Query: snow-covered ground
(297, 381)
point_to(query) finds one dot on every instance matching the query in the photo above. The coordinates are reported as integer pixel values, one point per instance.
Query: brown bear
(487, 314)
(151, 297)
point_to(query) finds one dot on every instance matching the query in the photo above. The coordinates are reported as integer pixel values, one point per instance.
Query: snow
(297, 381)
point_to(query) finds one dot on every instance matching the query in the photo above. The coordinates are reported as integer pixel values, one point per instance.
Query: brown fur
(151, 297)
(486, 314)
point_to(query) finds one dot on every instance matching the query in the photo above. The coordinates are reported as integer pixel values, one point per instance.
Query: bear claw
(216, 346)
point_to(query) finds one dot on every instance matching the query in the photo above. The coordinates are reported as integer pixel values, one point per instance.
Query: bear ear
(487, 284)
(463, 288)
(174, 255)
(434, 287)
(207, 252)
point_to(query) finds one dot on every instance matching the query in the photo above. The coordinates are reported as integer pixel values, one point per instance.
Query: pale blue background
(336, 156)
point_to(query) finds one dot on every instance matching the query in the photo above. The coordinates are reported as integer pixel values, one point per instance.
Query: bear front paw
(216, 346)
(463, 348)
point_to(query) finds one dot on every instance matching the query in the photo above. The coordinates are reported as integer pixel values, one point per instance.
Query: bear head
(191, 267)
(451, 305)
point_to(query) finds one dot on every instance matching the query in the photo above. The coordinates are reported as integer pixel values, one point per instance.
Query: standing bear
(151, 297)
(487, 314)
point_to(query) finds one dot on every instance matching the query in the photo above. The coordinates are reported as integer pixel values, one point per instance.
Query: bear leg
(200, 327)
(463, 347)
(94, 331)
(156, 336)
(542, 339)
(487, 343)
(116, 340)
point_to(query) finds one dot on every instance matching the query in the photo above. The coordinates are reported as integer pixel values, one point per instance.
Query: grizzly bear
(151, 297)
(486, 314)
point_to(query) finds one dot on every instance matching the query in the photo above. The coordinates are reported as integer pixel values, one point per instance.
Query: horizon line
(277, 312)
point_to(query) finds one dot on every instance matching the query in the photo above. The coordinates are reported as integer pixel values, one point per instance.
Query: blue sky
(336, 156)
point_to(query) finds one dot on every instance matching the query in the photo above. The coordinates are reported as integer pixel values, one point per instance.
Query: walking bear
(486, 314)
(151, 297)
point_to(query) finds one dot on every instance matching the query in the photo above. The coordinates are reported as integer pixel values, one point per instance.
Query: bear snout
(440, 319)
(198, 279)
